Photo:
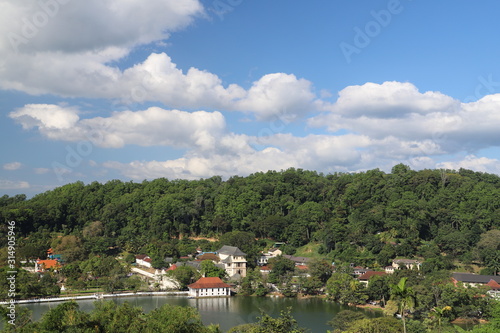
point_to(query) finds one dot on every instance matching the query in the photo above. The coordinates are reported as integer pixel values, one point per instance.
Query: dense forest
(447, 219)
(368, 217)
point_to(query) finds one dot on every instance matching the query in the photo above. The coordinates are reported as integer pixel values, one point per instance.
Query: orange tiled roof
(172, 268)
(493, 284)
(209, 282)
(49, 263)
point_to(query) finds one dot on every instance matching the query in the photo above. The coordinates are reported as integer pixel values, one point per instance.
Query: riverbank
(96, 296)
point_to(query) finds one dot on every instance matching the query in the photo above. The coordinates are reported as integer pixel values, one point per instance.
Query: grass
(309, 250)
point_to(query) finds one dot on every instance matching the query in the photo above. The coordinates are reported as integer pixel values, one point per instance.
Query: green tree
(208, 269)
(285, 323)
(174, 319)
(185, 275)
(404, 297)
(343, 288)
(439, 316)
(375, 325)
(342, 320)
(320, 269)
(280, 266)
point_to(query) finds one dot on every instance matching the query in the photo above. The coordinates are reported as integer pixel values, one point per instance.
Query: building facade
(234, 260)
(209, 287)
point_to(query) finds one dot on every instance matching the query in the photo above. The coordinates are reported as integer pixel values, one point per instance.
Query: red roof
(209, 282)
(493, 284)
(265, 268)
(301, 267)
(369, 274)
(172, 268)
(49, 263)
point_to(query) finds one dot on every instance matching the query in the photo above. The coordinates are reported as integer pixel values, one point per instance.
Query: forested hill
(370, 214)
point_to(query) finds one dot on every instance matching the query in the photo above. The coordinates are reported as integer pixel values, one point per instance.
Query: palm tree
(404, 297)
(439, 314)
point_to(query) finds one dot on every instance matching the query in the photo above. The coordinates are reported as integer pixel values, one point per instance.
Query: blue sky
(103, 89)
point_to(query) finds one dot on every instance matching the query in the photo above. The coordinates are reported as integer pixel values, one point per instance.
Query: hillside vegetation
(368, 218)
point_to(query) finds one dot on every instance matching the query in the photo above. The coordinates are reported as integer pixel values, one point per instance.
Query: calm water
(229, 312)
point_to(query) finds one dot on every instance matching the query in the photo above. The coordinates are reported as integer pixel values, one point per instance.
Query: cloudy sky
(133, 90)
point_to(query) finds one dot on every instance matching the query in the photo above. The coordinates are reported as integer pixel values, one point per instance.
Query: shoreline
(96, 296)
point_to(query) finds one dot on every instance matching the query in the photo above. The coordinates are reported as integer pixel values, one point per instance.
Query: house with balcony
(234, 260)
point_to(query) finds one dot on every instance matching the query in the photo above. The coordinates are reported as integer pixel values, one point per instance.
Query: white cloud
(195, 167)
(73, 54)
(472, 162)
(398, 110)
(151, 127)
(13, 185)
(70, 26)
(390, 99)
(279, 94)
(41, 171)
(47, 117)
(12, 166)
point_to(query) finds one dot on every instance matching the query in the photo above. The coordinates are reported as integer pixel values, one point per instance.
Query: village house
(43, 265)
(299, 261)
(403, 264)
(475, 280)
(143, 260)
(265, 269)
(234, 261)
(209, 287)
(365, 278)
(272, 253)
(389, 269)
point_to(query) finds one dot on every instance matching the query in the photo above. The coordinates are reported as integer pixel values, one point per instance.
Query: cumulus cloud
(12, 166)
(395, 109)
(472, 162)
(80, 26)
(69, 48)
(195, 167)
(47, 117)
(151, 127)
(278, 94)
(390, 100)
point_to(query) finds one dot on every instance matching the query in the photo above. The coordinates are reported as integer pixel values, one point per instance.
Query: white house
(209, 287)
(406, 263)
(234, 260)
(264, 258)
(143, 260)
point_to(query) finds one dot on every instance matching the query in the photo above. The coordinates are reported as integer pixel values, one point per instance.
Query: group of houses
(491, 282)
(229, 258)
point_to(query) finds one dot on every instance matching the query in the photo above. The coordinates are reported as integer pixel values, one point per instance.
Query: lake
(312, 313)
